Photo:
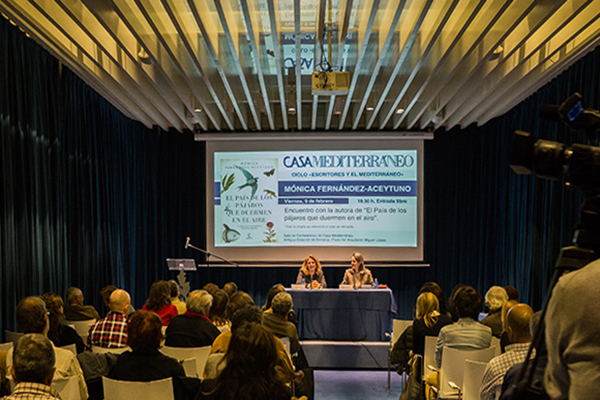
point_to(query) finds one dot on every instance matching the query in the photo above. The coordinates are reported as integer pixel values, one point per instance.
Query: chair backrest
(81, 327)
(399, 326)
(6, 346)
(214, 366)
(189, 366)
(68, 388)
(71, 347)
(453, 367)
(102, 350)
(12, 336)
(181, 353)
(472, 379)
(496, 343)
(286, 343)
(429, 355)
(118, 390)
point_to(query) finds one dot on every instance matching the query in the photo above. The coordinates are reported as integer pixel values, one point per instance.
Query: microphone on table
(187, 242)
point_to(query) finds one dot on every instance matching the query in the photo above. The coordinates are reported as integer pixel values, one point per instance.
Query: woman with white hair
(495, 298)
(193, 328)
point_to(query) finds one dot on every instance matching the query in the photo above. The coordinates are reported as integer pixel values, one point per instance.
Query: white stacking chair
(453, 368)
(82, 327)
(12, 336)
(472, 379)
(6, 346)
(119, 390)
(287, 345)
(428, 355)
(181, 353)
(67, 388)
(398, 327)
(101, 350)
(71, 347)
(214, 366)
(190, 368)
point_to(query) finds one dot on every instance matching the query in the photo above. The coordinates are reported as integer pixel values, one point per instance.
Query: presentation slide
(350, 198)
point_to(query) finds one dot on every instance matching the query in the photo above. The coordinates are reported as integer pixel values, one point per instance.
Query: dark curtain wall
(91, 198)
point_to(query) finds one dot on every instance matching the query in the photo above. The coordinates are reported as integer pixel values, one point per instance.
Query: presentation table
(344, 315)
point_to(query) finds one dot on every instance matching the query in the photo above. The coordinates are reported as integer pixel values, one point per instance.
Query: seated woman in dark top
(59, 334)
(428, 322)
(311, 273)
(250, 373)
(145, 363)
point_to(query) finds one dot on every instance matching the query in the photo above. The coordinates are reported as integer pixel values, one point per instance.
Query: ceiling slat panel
(278, 61)
(212, 52)
(238, 64)
(416, 27)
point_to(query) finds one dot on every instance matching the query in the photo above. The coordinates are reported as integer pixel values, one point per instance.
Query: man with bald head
(517, 326)
(111, 331)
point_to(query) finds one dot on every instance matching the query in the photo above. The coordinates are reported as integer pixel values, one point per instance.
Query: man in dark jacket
(193, 328)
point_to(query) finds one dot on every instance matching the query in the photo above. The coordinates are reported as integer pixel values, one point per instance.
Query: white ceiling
(227, 65)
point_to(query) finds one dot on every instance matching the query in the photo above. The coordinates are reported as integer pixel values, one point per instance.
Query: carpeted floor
(356, 385)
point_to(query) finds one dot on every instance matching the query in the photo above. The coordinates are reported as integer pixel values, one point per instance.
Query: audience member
(572, 334)
(466, 333)
(175, 297)
(159, 301)
(452, 308)
(145, 363)
(250, 373)
(495, 298)
(509, 384)
(105, 293)
(517, 326)
(512, 293)
(218, 311)
(434, 288)
(429, 321)
(210, 288)
(193, 328)
(278, 323)
(239, 301)
(33, 369)
(230, 288)
(357, 276)
(111, 331)
(32, 317)
(504, 339)
(275, 289)
(75, 310)
(250, 314)
(59, 333)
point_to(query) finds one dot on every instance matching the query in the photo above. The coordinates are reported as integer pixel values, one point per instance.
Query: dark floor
(356, 385)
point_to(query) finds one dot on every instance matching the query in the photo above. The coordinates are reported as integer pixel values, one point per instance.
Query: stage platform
(346, 355)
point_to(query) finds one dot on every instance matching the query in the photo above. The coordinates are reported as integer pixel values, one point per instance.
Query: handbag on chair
(413, 388)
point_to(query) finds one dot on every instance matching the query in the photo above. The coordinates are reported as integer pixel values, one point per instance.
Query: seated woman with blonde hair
(311, 273)
(429, 321)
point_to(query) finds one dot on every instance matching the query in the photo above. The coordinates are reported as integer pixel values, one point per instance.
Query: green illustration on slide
(226, 182)
(251, 181)
(229, 235)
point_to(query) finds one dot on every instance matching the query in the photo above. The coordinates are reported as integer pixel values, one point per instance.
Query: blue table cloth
(344, 315)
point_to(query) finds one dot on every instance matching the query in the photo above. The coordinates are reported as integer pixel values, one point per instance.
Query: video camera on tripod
(580, 166)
